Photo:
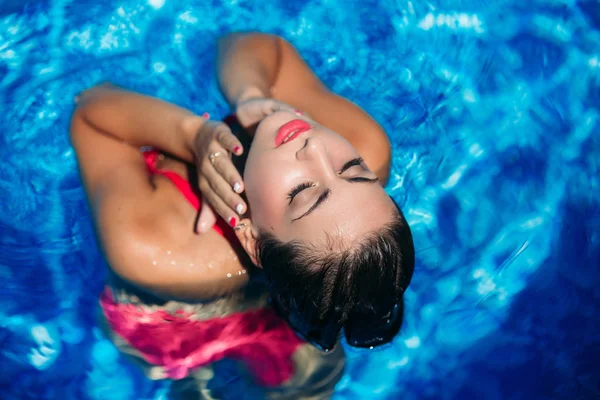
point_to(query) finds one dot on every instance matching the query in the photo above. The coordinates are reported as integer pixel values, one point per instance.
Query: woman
(333, 246)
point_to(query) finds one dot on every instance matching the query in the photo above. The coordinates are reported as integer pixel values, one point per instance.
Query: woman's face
(312, 187)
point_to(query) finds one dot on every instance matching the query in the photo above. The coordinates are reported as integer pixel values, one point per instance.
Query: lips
(290, 131)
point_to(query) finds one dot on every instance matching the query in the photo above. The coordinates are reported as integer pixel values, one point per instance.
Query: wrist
(251, 92)
(189, 128)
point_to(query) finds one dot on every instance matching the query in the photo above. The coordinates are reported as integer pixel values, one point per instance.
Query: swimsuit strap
(151, 158)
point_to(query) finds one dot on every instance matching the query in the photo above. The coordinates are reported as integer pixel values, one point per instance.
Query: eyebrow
(325, 195)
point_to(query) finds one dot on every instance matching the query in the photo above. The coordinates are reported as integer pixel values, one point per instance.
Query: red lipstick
(290, 131)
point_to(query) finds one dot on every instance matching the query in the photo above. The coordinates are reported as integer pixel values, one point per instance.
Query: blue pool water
(493, 110)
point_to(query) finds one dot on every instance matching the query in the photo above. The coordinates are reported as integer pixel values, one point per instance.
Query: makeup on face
(290, 131)
(286, 184)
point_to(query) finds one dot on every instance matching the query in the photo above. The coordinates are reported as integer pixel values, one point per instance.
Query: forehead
(352, 211)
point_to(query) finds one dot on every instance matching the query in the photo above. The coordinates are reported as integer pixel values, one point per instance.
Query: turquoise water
(493, 110)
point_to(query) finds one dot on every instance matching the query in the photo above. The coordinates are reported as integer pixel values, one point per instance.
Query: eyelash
(306, 185)
(353, 163)
(294, 192)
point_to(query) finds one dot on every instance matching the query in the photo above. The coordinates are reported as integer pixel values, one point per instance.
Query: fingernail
(236, 149)
(298, 112)
(201, 227)
(237, 187)
(232, 222)
(239, 208)
(206, 115)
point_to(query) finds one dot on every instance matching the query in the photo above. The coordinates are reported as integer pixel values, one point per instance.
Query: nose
(315, 152)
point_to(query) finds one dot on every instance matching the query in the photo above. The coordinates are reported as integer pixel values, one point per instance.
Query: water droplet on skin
(243, 271)
(169, 252)
(229, 275)
(172, 262)
(153, 262)
(210, 266)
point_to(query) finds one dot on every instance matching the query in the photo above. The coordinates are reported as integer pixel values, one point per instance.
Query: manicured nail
(239, 208)
(298, 112)
(232, 222)
(237, 187)
(201, 227)
(236, 149)
(206, 115)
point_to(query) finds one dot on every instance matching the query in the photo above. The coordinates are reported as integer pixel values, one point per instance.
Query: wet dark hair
(317, 286)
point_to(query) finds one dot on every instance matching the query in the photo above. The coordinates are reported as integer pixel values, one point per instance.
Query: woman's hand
(219, 181)
(252, 110)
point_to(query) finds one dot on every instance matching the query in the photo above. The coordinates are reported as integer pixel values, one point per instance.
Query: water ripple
(492, 109)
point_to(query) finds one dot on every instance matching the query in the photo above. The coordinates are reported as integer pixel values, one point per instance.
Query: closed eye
(297, 189)
(358, 161)
(357, 179)
(360, 179)
(352, 163)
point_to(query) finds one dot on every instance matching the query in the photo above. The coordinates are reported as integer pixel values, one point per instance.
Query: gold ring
(239, 226)
(213, 156)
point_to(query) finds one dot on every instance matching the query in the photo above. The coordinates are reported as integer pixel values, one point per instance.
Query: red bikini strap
(151, 159)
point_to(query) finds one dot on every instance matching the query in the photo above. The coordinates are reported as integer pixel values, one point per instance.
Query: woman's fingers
(279, 106)
(218, 179)
(212, 131)
(224, 167)
(218, 204)
(252, 111)
(224, 179)
(206, 219)
(221, 141)
(228, 140)
(224, 190)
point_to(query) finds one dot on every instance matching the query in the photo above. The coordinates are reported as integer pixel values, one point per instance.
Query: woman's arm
(255, 65)
(140, 120)
(146, 237)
